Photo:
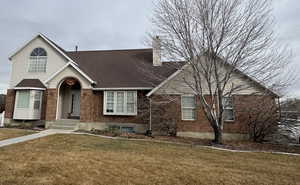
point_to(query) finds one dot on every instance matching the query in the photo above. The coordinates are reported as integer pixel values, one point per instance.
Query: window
(120, 103)
(188, 107)
(38, 60)
(228, 109)
(37, 100)
(23, 99)
(109, 102)
(130, 102)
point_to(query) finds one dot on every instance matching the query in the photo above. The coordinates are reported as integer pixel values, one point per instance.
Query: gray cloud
(94, 24)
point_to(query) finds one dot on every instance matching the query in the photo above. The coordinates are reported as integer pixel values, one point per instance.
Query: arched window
(38, 60)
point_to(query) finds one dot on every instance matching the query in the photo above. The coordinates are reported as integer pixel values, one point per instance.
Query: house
(2, 103)
(98, 89)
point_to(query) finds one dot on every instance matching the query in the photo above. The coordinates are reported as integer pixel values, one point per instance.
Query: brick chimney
(156, 51)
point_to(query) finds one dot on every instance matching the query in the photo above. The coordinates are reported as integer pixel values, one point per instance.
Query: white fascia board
(29, 88)
(75, 67)
(167, 80)
(123, 88)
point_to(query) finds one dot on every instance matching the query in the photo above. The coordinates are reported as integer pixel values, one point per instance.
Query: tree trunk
(218, 136)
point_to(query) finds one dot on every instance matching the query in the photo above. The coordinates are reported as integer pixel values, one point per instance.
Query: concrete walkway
(45, 133)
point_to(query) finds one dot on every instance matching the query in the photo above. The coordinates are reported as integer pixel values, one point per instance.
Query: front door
(75, 108)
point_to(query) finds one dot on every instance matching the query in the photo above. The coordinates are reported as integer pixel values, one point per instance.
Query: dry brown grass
(86, 160)
(6, 133)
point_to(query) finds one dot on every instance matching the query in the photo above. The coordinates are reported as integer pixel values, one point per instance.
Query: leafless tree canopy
(213, 35)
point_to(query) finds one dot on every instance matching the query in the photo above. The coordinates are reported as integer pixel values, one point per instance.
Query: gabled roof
(117, 69)
(59, 50)
(51, 43)
(122, 68)
(30, 84)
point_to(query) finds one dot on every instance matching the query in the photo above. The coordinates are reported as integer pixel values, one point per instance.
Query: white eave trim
(76, 68)
(122, 88)
(29, 88)
(166, 80)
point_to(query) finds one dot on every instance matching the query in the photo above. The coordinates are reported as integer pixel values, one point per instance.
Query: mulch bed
(233, 145)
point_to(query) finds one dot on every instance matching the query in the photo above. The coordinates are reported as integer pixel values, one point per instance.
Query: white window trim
(125, 113)
(232, 108)
(188, 95)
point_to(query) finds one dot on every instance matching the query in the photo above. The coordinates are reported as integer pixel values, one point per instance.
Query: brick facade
(51, 104)
(91, 109)
(201, 124)
(44, 105)
(10, 103)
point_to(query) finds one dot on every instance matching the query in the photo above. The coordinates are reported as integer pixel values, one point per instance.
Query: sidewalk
(45, 133)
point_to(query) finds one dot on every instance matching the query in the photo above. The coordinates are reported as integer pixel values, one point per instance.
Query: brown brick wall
(91, 109)
(201, 124)
(51, 104)
(44, 105)
(10, 103)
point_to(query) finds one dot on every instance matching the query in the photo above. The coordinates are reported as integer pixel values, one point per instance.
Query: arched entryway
(69, 99)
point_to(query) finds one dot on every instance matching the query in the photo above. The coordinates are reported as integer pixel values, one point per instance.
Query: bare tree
(261, 115)
(220, 40)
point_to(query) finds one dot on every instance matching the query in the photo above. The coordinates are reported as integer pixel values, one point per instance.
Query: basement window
(120, 103)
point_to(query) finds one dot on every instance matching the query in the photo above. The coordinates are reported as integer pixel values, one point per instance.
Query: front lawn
(7, 133)
(79, 159)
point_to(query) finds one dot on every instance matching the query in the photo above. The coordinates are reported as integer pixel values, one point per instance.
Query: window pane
(228, 115)
(120, 101)
(38, 62)
(188, 101)
(130, 102)
(188, 114)
(23, 99)
(228, 102)
(109, 102)
(38, 52)
(130, 97)
(188, 107)
(37, 100)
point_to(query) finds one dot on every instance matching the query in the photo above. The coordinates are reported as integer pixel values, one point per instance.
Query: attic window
(38, 60)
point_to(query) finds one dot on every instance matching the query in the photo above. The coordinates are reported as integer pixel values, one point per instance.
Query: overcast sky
(116, 24)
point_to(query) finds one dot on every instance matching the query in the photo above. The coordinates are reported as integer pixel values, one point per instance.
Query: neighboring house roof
(30, 84)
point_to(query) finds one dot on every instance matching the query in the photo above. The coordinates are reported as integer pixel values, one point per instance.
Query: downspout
(149, 131)
(150, 114)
